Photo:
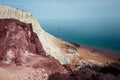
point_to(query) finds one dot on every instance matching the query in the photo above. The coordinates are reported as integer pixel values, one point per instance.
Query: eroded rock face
(19, 45)
(49, 42)
(18, 42)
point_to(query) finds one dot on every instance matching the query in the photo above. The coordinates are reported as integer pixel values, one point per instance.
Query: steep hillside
(27, 52)
(49, 42)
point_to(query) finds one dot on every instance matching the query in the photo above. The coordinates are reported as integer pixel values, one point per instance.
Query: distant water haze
(103, 33)
(88, 22)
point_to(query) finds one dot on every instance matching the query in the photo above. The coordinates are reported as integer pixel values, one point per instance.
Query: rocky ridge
(21, 48)
(48, 41)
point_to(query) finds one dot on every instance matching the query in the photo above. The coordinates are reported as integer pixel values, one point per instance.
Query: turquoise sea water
(103, 33)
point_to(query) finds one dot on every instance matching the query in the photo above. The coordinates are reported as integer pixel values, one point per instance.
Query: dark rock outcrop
(106, 72)
(18, 42)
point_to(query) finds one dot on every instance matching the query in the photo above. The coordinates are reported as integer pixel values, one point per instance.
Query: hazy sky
(68, 9)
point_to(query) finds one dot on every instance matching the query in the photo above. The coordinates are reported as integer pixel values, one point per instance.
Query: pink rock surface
(22, 57)
(19, 45)
(18, 42)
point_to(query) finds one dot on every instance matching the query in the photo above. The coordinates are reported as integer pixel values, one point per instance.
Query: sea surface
(102, 33)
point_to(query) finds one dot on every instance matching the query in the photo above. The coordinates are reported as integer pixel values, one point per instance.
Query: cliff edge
(49, 42)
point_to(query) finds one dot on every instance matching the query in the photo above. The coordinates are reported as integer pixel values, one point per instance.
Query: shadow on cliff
(95, 72)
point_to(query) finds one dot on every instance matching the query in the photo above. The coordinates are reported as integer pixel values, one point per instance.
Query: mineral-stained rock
(18, 42)
(24, 52)
(51, 44)
(49, 64)
(20, 45)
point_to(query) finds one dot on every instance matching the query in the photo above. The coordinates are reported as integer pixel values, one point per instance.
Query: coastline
(112, 54)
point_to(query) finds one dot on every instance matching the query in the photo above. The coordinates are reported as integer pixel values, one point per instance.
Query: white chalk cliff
(49, 42)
